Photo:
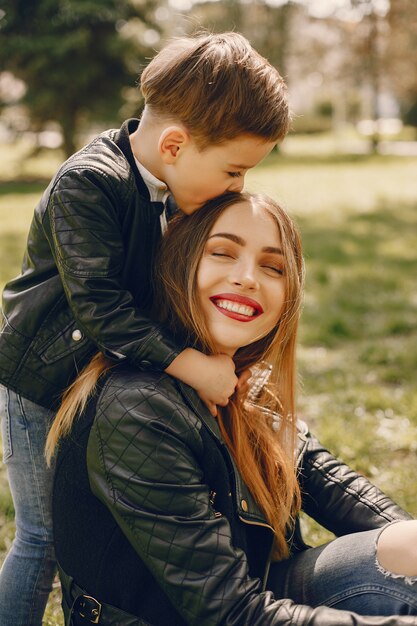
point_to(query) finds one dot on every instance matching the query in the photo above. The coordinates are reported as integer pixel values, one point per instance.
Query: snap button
(77, 335)
(244, 505)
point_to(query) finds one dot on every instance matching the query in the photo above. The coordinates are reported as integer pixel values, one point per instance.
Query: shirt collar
(158, 190)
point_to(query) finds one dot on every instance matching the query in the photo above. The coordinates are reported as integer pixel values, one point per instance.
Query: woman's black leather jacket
(152, 516)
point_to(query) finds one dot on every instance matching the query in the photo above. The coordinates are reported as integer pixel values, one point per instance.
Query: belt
(81, 608)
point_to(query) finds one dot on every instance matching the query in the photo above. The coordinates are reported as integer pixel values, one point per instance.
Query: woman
(166, 516)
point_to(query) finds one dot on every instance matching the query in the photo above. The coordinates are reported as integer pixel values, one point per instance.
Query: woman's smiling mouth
(237, 307)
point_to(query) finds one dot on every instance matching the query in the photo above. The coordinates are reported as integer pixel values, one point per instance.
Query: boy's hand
(213, 377)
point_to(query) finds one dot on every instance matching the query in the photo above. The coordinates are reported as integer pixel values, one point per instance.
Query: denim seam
(35, 472)
(7, 445)
(357, 591)
(33, 605)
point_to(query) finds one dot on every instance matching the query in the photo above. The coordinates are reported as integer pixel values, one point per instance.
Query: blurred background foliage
(69, 65)
(347, 172)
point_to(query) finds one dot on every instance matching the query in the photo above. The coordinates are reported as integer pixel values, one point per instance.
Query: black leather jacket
(86, 277)
(152, 516)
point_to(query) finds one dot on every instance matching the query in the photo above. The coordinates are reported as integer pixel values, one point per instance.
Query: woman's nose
(244, 276)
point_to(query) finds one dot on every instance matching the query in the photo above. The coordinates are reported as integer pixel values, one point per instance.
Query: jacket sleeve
(339, 498)
(83, 227)
(146, 471)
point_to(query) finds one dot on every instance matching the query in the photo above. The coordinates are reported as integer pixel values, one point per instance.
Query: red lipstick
(238, 299)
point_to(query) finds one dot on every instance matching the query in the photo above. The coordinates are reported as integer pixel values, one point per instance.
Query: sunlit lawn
(358, 355)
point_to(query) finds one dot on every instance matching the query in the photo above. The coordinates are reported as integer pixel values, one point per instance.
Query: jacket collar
(122, 141)
(246, 506)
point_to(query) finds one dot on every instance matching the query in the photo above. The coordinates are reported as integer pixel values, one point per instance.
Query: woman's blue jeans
(345, 574)
(28, 571)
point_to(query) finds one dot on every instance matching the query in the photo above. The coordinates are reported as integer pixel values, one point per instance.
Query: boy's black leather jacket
(86, 277)
(169, 532)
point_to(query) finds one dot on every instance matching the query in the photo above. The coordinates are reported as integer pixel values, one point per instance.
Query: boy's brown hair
(218, 87)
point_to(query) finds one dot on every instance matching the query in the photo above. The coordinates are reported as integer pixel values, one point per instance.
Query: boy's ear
(172, 141)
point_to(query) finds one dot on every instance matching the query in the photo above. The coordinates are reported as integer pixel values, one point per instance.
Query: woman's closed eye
(224, 254)
(234, 174)
(276, 270)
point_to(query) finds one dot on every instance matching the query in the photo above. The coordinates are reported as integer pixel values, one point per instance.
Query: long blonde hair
(265, 458)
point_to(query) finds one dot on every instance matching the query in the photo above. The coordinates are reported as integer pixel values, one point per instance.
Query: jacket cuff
(157, 353)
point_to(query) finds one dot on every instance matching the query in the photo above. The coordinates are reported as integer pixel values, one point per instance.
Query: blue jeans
(28, 571)
(345, 574)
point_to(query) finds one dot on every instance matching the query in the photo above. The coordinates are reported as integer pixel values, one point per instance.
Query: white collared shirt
(158, 191)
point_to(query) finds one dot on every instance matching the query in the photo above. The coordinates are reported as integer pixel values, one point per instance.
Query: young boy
(213, 109)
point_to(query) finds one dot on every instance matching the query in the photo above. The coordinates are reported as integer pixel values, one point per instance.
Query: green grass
(358, 340)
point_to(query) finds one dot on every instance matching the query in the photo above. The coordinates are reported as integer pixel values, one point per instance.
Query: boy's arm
(213, 377)
(84, 228)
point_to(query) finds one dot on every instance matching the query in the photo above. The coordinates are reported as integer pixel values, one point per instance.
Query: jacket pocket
(59, 335)
(68, 341)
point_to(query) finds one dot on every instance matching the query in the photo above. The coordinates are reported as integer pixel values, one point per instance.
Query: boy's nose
(237, 184)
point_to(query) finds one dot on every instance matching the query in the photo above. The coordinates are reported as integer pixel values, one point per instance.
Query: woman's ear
(172, 141)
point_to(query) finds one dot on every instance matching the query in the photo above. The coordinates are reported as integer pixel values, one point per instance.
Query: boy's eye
(234, 174)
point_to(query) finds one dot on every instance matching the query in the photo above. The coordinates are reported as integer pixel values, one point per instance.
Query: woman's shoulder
(129, 381)
(141, 419)
(130, 395)
(129, 377)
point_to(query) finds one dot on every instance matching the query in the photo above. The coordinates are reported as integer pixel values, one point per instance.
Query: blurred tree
(73, 57)
(368, 50)
(402, 55)
(372, 67)
(216, 16)
(271, 32)
(267, 26)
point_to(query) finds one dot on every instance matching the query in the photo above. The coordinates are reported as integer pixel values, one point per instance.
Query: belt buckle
(88, 608)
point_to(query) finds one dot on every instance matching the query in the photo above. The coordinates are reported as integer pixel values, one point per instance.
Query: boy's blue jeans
(28, 571)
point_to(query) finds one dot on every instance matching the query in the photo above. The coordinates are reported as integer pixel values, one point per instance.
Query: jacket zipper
(268, 562)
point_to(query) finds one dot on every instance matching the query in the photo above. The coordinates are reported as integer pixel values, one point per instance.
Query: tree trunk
(69, 133)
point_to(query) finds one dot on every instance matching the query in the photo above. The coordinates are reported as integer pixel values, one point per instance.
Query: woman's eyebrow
(235, 238)
(242, 242)
(272, 250)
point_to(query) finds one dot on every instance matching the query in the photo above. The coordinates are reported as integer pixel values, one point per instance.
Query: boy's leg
(345, 574)
(27, 573)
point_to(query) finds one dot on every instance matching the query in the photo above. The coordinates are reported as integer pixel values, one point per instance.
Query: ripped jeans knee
(353, 573)
(396, 551)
